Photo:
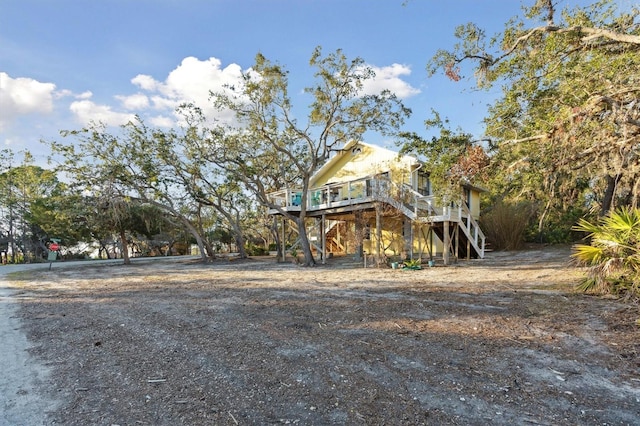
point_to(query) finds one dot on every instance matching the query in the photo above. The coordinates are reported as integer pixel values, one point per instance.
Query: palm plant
(613, 255)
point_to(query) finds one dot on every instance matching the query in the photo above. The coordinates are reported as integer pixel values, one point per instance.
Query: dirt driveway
(497, 341)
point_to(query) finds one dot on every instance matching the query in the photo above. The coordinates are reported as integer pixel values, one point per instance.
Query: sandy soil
(502, 340)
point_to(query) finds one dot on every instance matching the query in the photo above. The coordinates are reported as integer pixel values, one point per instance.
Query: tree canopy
(566, 130)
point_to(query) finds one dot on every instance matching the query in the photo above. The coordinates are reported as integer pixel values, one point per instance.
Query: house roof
(353, 144)
(473, 187)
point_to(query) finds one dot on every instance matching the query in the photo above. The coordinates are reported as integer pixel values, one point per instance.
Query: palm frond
(613, 256)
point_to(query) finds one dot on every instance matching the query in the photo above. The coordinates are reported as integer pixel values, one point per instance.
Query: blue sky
(65, 62)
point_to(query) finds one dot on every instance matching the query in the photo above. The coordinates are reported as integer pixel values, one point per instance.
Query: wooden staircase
(466, 239)
(461, 246)
(335, 237)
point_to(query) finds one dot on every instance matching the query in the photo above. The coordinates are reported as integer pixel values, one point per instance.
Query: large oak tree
(566, 130)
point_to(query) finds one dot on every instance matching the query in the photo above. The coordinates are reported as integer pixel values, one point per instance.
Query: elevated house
(370, 200)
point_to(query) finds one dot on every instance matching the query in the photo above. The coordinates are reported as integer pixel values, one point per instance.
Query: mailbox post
(54, 246)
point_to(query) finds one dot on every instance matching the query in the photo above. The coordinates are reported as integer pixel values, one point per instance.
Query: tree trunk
(607, 199)
(239, 238)
(200, 243)
(276, 237)
(125, 247)
(304, 243)
(198, 237)
(102, 248)
(242, 253)
(211, 253)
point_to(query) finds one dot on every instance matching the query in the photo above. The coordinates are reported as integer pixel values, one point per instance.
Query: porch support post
(411, 238)
(420, 231)
(456, 236)
(378, 235)
(359, 230)
(446, 242)
(430, 242)
(323, 233)
(284, 244)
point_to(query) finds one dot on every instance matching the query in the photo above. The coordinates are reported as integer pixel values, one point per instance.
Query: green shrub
(613, 255)
(253, 250)
(557, 227)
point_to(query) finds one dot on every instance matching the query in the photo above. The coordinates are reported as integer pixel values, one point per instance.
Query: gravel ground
(503, 340)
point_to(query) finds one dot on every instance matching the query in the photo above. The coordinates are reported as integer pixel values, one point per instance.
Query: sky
(65, 63)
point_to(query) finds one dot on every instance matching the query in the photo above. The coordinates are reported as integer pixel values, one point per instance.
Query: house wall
(365, 161)
(474, 206)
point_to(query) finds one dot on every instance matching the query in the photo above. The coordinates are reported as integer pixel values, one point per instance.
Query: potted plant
(413, 264)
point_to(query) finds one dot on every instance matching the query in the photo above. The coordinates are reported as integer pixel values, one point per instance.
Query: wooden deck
(341, 201)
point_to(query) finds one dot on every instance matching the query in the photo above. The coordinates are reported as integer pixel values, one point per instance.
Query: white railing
(323, 197)
(471, 228)
(361, 190)
(371, 188)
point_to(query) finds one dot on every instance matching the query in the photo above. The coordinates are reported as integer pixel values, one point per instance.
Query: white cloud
(87, 111)
(85, 95)
(138, 101)
(191, 82)
(145, 82)
(163, 103)
(194, 79)
(59, 94)
(389, 78)
(23, 96)
(162, 121)
(156, 100)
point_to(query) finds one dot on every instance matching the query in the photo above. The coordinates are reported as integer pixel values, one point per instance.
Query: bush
(505, 225)
(613, 255)
(557, 228)
(253, 250)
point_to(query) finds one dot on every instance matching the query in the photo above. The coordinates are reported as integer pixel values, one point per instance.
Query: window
(424, 183)
(467, 196)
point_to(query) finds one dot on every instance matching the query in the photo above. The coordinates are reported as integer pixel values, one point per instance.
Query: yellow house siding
(474, 207)
(359, 160)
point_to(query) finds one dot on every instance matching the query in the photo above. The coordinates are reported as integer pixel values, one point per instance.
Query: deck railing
(375, 188)
(323, 197)
(356, 191)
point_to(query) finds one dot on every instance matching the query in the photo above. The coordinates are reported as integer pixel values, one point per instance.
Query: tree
(567, 127)
(186, 154)
(453, 158)
(268, 145)
(24, 189)
(125, 166)
(66, 216)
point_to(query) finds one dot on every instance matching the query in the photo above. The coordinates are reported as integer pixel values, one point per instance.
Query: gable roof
(353, 148)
